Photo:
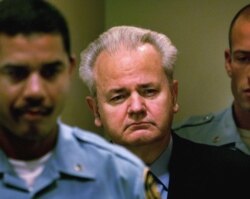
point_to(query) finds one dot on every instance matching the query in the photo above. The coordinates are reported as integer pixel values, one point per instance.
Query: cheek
(239, 77)
(4, 101)
(64, 83)
(112, 121)
(161, 112)
(113, 116)
(59, 89)
(11, 95)
(162, 108)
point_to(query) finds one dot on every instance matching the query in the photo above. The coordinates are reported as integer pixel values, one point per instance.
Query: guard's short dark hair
(33, 16)
(245, 11)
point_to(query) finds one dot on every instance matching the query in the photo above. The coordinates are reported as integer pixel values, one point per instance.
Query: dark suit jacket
(202, 171)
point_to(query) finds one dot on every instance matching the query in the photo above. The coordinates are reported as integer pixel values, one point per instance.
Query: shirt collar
(231, 131)
(160, 165)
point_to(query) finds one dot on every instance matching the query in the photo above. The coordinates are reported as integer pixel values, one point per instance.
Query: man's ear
(228, 62)
(175, 95)
(92, 103)
(72, 64)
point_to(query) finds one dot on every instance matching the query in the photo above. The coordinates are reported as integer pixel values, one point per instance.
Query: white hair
(129, 37)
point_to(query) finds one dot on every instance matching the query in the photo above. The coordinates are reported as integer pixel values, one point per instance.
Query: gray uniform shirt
(217, 129)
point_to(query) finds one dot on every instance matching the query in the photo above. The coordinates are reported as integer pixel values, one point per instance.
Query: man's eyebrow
(116, 90)
(241, 52)
(11, 66)
(52, 64)
(146, 85)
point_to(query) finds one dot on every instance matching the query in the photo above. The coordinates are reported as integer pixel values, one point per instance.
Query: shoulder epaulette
(194, 121)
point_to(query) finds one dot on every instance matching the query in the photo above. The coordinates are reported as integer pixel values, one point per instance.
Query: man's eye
(243, 59)
(150, 92)
(50, 72)
(16, 73)
(117, 99)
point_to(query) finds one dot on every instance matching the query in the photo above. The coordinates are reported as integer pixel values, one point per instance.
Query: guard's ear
(175, 95)
(228, 62)
(92, 103)
(72, 64)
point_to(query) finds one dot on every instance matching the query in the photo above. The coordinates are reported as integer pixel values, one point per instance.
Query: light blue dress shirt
(83, 165)
(160, 169)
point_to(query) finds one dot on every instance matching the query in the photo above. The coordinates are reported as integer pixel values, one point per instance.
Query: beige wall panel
(86, 21)
(199, 30)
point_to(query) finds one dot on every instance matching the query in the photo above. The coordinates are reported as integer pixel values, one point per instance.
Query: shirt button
(206, 118)
(216, 139)
(78, 167)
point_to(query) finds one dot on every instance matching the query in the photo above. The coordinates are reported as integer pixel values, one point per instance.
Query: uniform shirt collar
(231, 132)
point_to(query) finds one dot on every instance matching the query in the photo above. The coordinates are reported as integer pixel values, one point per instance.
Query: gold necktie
(151, 186)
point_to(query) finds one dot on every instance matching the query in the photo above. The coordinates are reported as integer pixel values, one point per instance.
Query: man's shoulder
(208, 128)
(186, 145)
(99, 146)
(202, 121)
(195, 122)
(201, 165)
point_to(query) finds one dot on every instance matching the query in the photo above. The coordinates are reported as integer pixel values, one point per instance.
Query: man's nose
(137, 106)
(34, 87)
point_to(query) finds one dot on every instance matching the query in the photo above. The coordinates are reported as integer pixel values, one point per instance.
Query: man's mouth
(247, 92)
(33, 113)
(139, 125)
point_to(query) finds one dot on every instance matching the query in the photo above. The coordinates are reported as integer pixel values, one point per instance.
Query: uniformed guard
(230, 127)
